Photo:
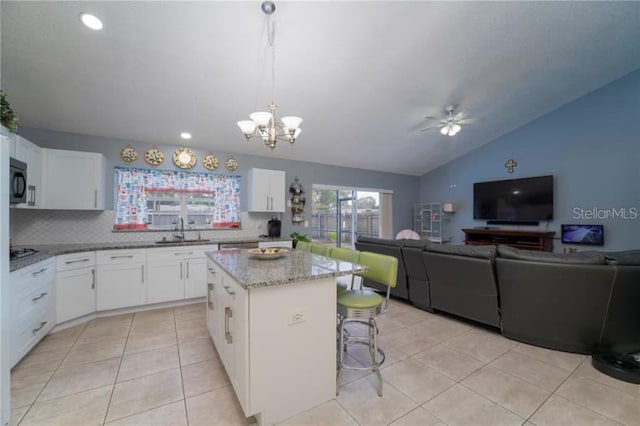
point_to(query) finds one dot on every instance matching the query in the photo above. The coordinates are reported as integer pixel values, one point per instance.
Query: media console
(530, 240)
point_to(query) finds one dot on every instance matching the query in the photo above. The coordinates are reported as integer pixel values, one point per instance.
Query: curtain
(131, 185)
(386, 215)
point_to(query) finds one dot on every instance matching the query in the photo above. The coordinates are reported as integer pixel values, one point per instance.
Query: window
(339, 214)
(157, 199)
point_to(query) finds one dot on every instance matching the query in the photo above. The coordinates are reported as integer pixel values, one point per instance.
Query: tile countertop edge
(330, 272)
(47, 251)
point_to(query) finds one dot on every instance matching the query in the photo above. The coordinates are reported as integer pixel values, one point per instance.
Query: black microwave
(17, 182)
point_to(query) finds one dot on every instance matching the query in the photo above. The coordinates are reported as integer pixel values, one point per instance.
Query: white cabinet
(227, 321)
(73, 180)
(32, 306)
(75, 285)
(177, 273)
(267, 244)
(121, 279)
(266, 190)
(31, 154)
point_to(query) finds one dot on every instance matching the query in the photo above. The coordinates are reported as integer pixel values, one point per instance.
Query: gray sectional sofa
(586, 302)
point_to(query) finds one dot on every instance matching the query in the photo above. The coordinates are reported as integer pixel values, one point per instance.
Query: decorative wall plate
(154, 156)
(129, 154)
(184, 158)
(231, 164)
(210, 162)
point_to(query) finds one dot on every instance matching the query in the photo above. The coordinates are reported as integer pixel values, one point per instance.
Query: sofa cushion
(583, 257)
(483, 252)
(419, 244)
(628, 257)
(372, 240)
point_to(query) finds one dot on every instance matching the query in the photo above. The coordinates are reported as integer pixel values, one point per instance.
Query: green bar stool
(320, 249)
(303, 245)
(348, 255)
(364, 305)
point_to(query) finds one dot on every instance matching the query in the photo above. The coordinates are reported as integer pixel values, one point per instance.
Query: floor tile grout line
(115, 379)
(53, 374)
(524, 420)
(184, 394)
(543, 361)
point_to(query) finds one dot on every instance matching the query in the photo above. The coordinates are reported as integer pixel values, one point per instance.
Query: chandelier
(264, 124)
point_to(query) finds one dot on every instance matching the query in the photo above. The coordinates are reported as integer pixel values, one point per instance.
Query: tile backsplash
(81, 226)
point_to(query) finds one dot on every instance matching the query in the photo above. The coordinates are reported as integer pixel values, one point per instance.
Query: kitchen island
(273, 323)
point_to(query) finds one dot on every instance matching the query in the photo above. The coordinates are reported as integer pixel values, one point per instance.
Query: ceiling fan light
(247, 126)
(261, 118)
(455, 128)
(291, 122)
(445, 130)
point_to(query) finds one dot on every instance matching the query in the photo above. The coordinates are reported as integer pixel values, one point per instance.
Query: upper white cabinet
(73, 180)
(31, 154)
(266, 191)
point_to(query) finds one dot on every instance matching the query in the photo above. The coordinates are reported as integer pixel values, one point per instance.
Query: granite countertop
(296, 265)
(46, 251)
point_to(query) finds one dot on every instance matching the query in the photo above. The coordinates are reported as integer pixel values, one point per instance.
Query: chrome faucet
(180, 235)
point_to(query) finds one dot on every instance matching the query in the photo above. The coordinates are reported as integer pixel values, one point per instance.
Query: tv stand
(530, 240)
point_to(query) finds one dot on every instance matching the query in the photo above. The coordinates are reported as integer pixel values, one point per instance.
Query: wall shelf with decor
(432, 222)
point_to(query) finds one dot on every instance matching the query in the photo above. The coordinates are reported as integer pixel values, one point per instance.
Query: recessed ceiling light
(185, 135)
(91, 21)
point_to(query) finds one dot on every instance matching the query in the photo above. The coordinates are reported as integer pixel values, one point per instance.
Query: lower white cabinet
(121, 279)
(177, 273)
(32, 306)
(75, 285)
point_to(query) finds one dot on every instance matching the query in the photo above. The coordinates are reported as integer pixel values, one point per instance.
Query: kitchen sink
(179, 241)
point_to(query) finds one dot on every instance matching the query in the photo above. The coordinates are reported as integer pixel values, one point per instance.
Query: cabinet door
(75, 293)
(165, 280)
(195, 282)
(121, 285)
(259, 193)
(277, 190)
(73, 180)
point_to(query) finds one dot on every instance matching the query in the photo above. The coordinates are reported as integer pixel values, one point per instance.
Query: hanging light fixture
(264, 124)
(450, 129)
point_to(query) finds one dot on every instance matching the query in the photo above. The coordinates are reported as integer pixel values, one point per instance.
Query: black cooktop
(20, 253)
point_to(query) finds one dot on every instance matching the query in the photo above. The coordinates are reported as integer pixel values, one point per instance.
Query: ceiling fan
(450, 124)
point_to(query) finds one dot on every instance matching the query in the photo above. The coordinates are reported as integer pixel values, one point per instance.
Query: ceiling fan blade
(467, 121)
(424, 129)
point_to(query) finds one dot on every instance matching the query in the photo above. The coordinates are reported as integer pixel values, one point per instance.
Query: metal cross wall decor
(510, 165)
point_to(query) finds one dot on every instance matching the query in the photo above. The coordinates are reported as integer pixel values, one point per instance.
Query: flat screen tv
(591, 235)
(514, 200)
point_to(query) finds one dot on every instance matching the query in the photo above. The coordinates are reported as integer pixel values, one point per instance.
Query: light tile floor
(160, 368)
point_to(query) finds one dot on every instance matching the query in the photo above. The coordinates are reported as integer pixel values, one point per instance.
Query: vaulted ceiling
(363, 75)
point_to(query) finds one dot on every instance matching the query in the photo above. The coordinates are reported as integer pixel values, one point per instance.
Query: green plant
(7, 116)
(296, 236)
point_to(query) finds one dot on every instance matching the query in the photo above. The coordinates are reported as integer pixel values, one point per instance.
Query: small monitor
(592, 235)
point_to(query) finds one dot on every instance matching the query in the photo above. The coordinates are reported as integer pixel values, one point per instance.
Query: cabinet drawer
(29, 332)
(68, 262)
(177, 253)
(39, 298)
(121, 256)
(27, 280)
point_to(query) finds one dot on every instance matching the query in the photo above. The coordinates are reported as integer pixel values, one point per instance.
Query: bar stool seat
(340, 287)
(363, 306)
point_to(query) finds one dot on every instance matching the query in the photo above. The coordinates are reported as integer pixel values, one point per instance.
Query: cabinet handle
(271, 203)
(142, 269)
(180, 270)
(228, 289)
(212, 270)
(69, 262)
(93, 279)
(209, 298)
(32, 195)
(122, 256)
(95, 199)
(267, 202)
(42, 324)
(39, 272)
(187, 269)
(35, 299)
(183, 254)
(228, 313)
